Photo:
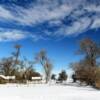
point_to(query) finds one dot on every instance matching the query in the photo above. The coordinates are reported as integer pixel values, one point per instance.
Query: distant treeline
(87, 70)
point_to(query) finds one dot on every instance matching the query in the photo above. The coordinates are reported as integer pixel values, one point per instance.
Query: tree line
(87, 70)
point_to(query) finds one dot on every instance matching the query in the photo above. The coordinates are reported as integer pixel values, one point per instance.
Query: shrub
(86, 74)
(97, 79)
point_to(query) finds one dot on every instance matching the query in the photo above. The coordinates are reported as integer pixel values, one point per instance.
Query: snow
(48, 92)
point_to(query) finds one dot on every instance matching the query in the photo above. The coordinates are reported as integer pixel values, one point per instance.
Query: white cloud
(34, 15)
(11, 36)
(15, 35)
(96, 23)
(4, 13)
(54, 12)
(36, 37)
(78, 26)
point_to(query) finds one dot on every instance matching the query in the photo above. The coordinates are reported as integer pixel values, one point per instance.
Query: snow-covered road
(47, 92)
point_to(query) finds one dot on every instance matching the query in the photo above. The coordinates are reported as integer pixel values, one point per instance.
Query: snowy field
(47, 92)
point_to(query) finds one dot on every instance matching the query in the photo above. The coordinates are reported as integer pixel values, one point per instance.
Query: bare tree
(91, 51)
(85, 70)
(6, 66)
(48, 69)
(41, 57)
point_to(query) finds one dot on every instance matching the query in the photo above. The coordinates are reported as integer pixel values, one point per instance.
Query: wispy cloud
(70, 17)
(5, 14)
(34, 14)
(11, 35)
(14, 35)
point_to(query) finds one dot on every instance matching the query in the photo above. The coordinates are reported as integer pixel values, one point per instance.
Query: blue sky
(54, 25)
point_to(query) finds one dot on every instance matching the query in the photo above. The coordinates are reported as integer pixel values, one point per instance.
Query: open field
(47, 92)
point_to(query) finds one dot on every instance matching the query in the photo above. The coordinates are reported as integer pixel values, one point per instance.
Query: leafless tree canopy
(86, 69)
(41, 57)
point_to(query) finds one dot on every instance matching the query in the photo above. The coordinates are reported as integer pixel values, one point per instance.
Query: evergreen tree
(62, 76)
(53, 77)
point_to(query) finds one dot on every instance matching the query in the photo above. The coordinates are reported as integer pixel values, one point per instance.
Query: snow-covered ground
(47, 92)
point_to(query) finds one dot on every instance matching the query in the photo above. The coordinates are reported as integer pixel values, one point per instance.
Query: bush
(84, 73)
(87, 75)
(24, 76)
(97, 79)
(20, 78)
